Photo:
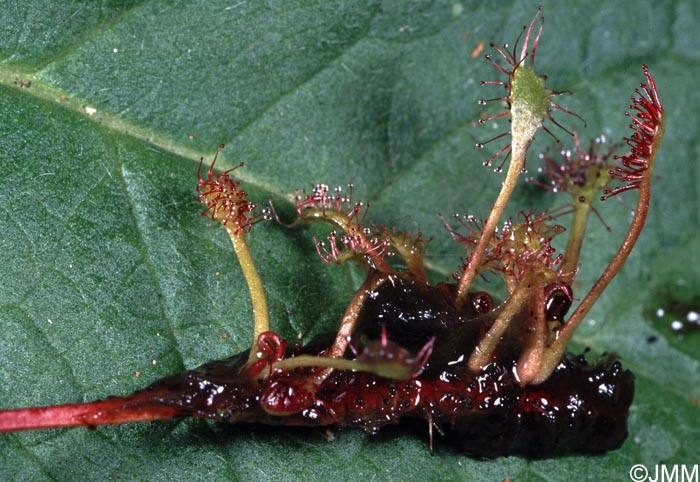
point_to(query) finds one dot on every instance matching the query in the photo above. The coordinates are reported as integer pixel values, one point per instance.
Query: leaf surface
(111, 279)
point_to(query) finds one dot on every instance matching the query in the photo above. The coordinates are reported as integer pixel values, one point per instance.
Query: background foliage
(110, 279)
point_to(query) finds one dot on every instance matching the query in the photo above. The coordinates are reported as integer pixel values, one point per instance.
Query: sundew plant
(112, 280)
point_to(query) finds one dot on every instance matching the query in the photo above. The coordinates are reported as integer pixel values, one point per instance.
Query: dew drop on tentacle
(482, 302)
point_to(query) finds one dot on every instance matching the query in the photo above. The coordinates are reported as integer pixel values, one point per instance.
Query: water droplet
(676, 318)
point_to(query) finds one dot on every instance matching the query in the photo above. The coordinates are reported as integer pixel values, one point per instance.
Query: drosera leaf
(107, 265)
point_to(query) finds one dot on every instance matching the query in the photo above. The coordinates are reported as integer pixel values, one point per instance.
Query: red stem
(89, 415)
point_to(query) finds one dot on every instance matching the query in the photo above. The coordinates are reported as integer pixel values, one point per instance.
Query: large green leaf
(108, 271)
